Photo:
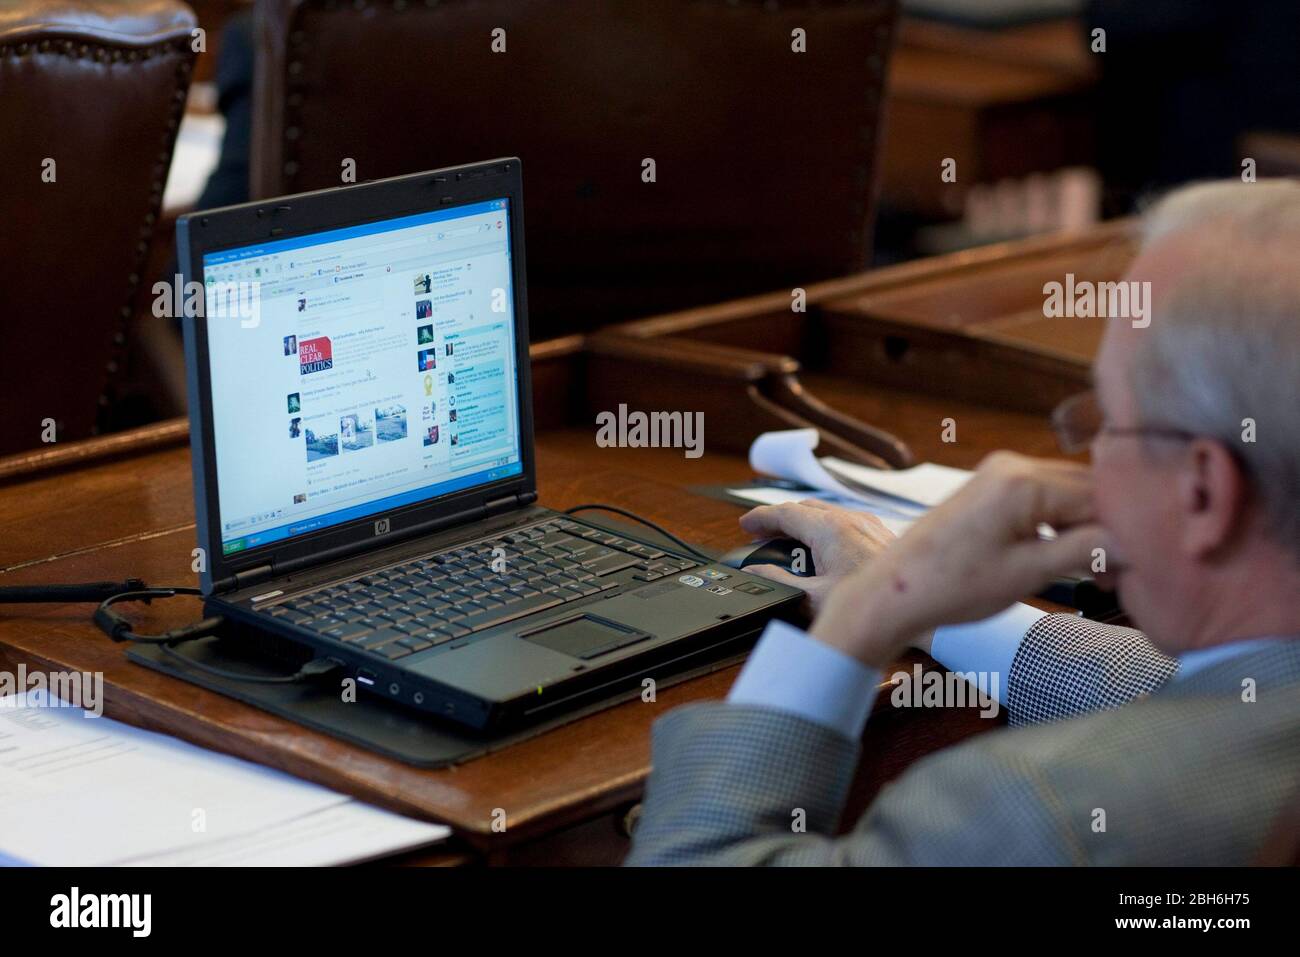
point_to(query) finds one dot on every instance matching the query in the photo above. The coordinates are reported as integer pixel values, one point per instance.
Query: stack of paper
(85, 791)
(898, 497)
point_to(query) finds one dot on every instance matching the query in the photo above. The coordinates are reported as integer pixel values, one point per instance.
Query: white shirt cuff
(987, 646)
(792, 672)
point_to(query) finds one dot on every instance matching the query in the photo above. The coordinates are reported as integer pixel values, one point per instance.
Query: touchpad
(585, 636)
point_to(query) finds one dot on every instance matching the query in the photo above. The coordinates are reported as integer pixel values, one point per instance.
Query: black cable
(315, 668)
(118, 629)
(644, 521)
(89, 591)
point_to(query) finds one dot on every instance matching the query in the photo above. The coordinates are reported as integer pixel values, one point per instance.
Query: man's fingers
(789, 520)
(1068, 501)
(874, 528)
(817, 504)
(1073, 551)
(761, 521)
(1061, 499)
(778, 574)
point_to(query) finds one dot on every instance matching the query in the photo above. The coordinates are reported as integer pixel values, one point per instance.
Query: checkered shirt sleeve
(1068, 666)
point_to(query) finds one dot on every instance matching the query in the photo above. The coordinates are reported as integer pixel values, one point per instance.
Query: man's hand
(841, 542)
(968, 558)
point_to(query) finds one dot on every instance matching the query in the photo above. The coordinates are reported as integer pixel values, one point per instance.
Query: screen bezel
(202, 233)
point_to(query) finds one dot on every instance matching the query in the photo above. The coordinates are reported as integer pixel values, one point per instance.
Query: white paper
(893, 521)
(346, 833)
(80, 791)
(789, 455)
(925, 484)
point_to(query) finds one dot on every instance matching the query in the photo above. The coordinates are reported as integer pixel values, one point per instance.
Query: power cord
(118, 629)
(644, 521)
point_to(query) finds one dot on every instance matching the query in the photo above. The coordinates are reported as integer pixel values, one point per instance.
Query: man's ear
(1213, 497)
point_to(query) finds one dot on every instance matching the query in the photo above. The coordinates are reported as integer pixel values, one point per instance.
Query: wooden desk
(134, 517)
(122, 505)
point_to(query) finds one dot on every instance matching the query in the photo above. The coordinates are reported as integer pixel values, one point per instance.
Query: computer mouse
(772, 551)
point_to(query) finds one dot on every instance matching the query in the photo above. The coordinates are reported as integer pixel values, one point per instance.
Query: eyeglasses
(1078, 421)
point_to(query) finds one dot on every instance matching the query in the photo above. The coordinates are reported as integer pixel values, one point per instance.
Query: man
(1180, 745)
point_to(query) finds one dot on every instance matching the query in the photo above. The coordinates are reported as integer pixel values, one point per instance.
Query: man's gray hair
(1223, 349)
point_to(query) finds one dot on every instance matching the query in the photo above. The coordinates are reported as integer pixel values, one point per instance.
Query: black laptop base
(640, 610)
(386, 728)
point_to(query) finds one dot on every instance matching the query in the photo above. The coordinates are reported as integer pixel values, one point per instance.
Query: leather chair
(765, 158)
(98, 88)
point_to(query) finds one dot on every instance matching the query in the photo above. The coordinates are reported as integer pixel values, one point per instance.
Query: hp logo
(381, 527)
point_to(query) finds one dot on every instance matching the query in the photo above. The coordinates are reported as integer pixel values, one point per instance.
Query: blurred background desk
(775, 168)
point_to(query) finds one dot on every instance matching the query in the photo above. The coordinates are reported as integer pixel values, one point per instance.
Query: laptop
(361, 432)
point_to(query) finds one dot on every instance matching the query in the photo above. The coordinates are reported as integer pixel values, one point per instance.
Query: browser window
(380, 371)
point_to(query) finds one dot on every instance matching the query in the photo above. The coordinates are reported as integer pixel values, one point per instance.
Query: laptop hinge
(249, 576)
(506, 502)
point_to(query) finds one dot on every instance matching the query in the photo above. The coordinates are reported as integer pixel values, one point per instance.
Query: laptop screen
(361, 369)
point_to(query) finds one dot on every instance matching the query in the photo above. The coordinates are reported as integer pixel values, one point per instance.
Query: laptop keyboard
(429, 601)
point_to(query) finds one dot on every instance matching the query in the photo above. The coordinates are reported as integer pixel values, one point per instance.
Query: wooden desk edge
(947, 266)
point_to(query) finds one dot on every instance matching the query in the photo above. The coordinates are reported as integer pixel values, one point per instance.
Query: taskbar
(292, 529)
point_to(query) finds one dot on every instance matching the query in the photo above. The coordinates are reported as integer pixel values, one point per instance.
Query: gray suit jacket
(1096, 770)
